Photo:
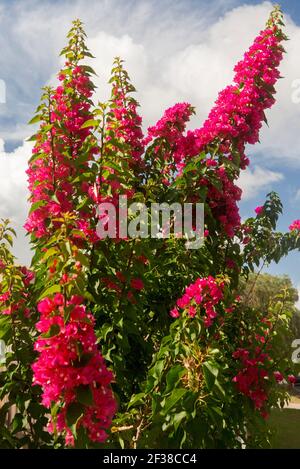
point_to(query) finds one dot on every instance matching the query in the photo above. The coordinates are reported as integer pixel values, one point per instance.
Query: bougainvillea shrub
(138, 342)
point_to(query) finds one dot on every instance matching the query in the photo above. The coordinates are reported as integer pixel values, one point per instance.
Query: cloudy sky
(175, 50)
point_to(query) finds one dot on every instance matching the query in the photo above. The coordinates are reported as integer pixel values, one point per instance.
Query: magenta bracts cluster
(295, 225)
(251, 379)
(169, 139)
(236, 119)
(126, 126)
(69, 359)
(52, 168)
(200, 298)
(239, 110)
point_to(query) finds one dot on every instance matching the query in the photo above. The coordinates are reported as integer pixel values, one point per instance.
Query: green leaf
(88, 54)
(216, 414)
(17, 423)
(84, 260)
(190, 167)
(211, 372)
(7, 435)
(84, 395)
(217, 184)
(111, 164)
(82, 360)
(136, 399)
(178, 418)
(50, 291)
(78, 233)
(50, 253)
(85, 201)
(35, 410)
(220, 389)
(12, 231)
(31, 139)
(157, 369)
(74, 412)
(89, 297)
(173, 399)
(116, 143)
(47, 127)
(90, 123)
(9, 239)
(5, 327)
(106, 329)
(54, 330)
(35, 119)
(174, 376)
(68, 309)
(88, 69)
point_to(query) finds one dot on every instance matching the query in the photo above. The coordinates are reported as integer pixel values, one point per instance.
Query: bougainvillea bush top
(139, 342)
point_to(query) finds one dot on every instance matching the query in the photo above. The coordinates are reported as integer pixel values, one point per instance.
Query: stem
(254, 283)
(102, 145)
(52, 142)
(138, 432)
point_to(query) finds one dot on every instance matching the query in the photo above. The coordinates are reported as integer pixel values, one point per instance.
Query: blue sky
(179, 50)
(291, 7)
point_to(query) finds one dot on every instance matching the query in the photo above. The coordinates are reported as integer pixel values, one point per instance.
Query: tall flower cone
(70, 369)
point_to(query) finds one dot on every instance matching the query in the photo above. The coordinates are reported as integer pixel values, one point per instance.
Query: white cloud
(32, 33)
(13, 193)
(174, 52)
(281, 141)
(253, 181)
(198, 72)
(166, 70)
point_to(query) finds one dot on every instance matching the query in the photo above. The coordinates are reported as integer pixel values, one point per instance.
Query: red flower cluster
(236, 119)
(278, 376)
(201, 296)
(69, 368)
(118, 285)
(254, 377)
(239, 110)
(126, 126)
(223, 203)
(70, 363)
(122, 147)
(59, 143)
(259, 210)
(168, 138)
(292, 379)
(295, 225)
(251, 379)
